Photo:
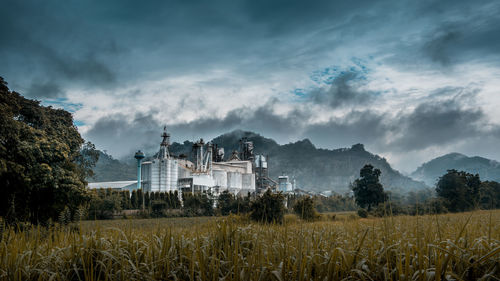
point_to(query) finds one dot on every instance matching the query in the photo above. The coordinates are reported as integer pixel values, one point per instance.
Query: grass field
(444, 247)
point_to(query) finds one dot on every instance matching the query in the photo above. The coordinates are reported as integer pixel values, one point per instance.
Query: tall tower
(139, 155)
(164, 154)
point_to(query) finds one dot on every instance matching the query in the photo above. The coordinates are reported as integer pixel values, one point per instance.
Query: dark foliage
(197, 205)
(42, 166)
(304, 208)
(268, 208)
(460, 190)
(362, 213)
(489, 195)
(104, 204)
(227, 204)
(367, 189)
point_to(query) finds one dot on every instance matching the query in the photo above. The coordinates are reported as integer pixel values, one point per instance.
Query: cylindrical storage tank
(168, 175)
(155, 176)
(174, 174)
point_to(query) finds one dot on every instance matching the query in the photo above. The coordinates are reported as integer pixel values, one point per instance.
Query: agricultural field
(463, 246)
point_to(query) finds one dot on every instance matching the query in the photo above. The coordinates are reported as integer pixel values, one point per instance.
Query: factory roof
(113, 185)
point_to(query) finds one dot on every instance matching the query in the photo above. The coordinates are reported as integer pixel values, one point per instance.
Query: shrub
(158, 207)
(362, 213)
(304, 208)
(268, 208)
(437, 206)
(197, 205)
(388, 209)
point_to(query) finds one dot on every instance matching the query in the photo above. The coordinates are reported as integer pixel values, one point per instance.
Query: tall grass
(445, 247)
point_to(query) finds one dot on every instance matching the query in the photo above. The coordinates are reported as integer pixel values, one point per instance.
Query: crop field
(462, 246)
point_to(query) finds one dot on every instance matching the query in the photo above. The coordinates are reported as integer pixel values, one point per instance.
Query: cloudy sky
(411, 80)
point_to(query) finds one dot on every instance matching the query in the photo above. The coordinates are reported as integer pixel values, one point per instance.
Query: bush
(197, 205)
(362, 213)
(268, 208)
(388, 209)
(304, 208)
(158, 207)
(437, 206)
(227, 204)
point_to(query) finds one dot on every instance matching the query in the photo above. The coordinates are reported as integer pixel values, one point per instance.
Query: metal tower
(164, 154)
(139, 155)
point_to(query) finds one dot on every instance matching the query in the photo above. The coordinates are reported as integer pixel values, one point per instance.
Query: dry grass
(445, 247)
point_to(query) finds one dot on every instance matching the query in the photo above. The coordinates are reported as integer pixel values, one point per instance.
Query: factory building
(206, 173)
(284, 185)
(210, 174)
(161, 173)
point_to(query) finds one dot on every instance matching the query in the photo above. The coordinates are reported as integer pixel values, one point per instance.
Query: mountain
(109, 169)
(312, 168)
(318, 169)
(430, 172)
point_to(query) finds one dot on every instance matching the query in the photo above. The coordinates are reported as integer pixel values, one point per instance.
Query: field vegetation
(463, 246)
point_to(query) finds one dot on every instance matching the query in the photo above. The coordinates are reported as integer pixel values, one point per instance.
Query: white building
(207, 176)
(164, 173)
(284, 185)
(161, 173)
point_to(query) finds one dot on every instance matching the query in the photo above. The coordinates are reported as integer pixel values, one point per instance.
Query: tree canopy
(368, 191)
(464, 191)
(42, 167)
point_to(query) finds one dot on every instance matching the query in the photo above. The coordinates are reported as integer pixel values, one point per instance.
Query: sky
(412, 80)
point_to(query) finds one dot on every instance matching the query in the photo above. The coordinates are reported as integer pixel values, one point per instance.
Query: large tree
(42, 167)
(368, 191)
(460, 190)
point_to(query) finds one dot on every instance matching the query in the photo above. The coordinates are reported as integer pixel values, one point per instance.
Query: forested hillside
(431, 171)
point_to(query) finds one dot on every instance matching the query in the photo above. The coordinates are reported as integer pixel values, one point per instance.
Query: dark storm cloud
(438, 123)
(47, 89)
(457, 32)
(40, 44)
(438, 48)
(109, 44)
(446, 119)
(120, 136)
(344, 91)
(355, 127)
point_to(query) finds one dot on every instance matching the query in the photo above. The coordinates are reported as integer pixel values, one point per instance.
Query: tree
(367, 189)
(134, 201)
(304, 208)
(42, 164)
(197, 205)
(268, 208)
(225, 203)
(489, 195)
(460, 190)
(104, 203)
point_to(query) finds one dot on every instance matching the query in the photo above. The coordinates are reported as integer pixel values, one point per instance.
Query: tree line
(456, 191)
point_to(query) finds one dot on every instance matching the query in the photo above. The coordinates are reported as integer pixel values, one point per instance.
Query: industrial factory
(207, 171)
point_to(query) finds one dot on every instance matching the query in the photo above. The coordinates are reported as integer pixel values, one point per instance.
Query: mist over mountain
(312, 168)
(430, 172)
(109, 169)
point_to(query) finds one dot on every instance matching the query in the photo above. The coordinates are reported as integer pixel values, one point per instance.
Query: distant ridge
(312, 168)
(430, 172)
